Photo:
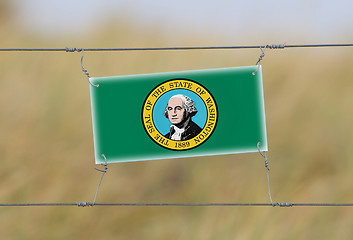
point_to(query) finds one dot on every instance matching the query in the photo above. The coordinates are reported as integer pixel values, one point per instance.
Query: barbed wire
(272, 46)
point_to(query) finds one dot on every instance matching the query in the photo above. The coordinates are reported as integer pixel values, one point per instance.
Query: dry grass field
(46, 146)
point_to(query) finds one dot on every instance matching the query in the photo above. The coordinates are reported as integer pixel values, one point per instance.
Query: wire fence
(89, 204)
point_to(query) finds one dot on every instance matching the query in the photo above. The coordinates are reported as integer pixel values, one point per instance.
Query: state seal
(179, 114)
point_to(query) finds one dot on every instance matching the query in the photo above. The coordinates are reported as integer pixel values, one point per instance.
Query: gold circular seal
(179, 114)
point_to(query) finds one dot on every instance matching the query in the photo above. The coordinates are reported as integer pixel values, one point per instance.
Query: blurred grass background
(47, 144)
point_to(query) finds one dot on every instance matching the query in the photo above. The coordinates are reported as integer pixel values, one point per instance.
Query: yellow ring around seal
(157, 92)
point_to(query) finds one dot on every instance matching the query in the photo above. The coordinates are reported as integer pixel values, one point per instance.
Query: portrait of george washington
(179, 111)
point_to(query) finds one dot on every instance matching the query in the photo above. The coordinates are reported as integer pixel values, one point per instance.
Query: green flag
(178, 114)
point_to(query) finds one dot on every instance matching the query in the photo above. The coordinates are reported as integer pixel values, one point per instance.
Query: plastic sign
(178, 114)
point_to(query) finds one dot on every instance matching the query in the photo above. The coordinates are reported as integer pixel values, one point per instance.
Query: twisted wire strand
(82, 67)
(88, 204)
(263, 154)
(103, 172)
(261, 57)
(270, 46)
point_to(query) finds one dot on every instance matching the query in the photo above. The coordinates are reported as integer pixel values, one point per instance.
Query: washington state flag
(178, 114)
